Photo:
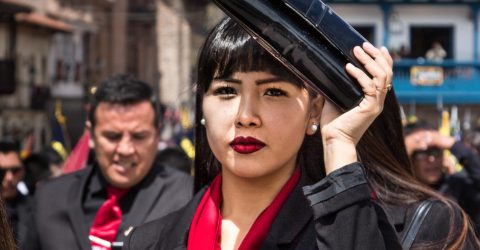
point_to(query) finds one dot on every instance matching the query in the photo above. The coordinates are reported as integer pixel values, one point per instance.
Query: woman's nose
(247, 115)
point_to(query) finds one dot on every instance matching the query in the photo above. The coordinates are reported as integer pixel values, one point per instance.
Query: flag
(27, 146)
(445, 124)
(187, 146)
(79, 155)
(445, 129)
(60, 139)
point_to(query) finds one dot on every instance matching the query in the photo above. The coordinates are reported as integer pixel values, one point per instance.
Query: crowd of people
(277, 165)
(426, 147)
(436, 53)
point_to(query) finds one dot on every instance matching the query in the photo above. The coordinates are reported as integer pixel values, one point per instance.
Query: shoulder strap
(418, 217)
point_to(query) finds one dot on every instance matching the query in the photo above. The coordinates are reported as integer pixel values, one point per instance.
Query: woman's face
(256, 123)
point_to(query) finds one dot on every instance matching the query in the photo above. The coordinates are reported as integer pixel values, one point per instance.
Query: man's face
(12, 171)
(428, 165)
(125, 142)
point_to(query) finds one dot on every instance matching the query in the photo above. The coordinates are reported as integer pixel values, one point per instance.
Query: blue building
(409, 28)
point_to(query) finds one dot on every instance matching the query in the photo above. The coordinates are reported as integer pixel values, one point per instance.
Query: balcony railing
(449, 82)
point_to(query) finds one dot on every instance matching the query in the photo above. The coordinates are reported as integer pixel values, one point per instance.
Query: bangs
(231, 49)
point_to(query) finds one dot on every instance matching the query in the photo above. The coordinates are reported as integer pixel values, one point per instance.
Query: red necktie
(107, 220)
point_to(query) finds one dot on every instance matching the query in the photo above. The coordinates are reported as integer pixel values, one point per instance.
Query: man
(425, 146)
(97, 207)
(17, 205)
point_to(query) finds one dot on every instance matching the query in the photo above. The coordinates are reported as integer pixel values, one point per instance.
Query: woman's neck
(243, 201)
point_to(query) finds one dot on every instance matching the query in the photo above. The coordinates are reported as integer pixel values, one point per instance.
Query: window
(367, 31)
(422, 38)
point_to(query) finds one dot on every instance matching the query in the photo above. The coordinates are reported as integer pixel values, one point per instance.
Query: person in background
(97, 207)
(278, 166)
(404, 52)
(37, 171)
(17, 205)
(425, 146)
(471, 138)
(41, 166)
(436, 52)
(175, 157)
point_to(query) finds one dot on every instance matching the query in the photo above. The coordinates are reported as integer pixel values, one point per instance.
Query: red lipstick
(246, 145)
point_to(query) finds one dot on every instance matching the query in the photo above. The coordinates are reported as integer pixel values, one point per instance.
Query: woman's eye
(275, 92)
(225, 91)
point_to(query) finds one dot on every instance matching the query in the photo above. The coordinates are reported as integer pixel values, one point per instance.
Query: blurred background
(54, 52)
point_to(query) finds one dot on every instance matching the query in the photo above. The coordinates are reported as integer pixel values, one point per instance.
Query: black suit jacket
(59, 221)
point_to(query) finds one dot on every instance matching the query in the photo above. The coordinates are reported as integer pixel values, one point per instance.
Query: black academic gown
(335, 213)
(331, 214)
(59, 221)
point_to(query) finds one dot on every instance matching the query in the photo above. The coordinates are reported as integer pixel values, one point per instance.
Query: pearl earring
(314, 128)
(202, 121)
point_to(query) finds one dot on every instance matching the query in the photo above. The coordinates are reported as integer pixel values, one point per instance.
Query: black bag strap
(418, 217)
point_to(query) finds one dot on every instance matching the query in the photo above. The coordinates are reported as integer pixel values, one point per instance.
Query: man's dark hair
(124, 90)
(9, 145)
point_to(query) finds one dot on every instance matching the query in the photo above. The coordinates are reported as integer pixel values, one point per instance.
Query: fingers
(387, 56)
(389, 66)
(378, 74)
(378, 63)
(362, 78)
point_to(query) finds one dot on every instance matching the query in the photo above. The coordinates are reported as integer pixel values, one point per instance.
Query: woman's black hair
(229, 48)
(6, 234)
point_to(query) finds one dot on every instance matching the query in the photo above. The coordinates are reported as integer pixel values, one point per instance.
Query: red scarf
(205, 230)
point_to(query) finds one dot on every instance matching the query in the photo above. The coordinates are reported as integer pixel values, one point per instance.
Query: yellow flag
(445, 130)
(188, 147)
(445, 125)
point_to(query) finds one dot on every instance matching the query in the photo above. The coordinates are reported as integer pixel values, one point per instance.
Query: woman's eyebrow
(270, 80)
(230, 80)
(258, 82)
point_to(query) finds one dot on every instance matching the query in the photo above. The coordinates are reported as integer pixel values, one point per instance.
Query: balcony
(448, 82)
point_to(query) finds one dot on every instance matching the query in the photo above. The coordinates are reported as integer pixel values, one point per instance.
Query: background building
(39, 53)
(409, 28)
(54, 52)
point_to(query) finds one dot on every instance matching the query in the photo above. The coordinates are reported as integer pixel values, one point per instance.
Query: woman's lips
(246, 145)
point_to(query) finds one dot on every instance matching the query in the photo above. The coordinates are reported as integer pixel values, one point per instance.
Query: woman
(258, 144)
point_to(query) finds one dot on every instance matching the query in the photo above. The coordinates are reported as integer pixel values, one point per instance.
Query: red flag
(79, 156)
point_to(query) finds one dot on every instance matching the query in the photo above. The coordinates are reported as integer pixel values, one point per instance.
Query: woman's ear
(316, 108)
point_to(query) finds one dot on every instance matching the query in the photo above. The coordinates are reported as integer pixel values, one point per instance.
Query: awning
(14, 6)
(43, 21)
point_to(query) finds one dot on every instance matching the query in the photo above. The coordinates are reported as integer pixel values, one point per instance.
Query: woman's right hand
(341, 132)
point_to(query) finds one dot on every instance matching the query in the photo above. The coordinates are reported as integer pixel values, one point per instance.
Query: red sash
(205, 230)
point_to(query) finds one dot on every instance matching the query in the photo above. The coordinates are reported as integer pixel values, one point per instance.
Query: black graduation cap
(309, 38)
